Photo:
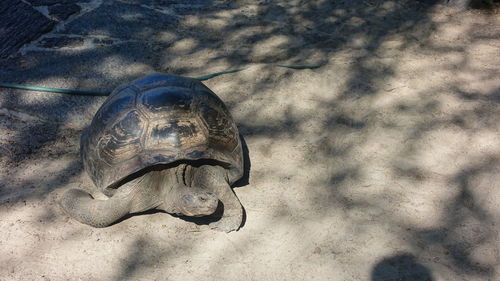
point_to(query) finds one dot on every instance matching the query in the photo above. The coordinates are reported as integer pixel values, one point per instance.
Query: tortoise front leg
(214, 179)
(81, 206)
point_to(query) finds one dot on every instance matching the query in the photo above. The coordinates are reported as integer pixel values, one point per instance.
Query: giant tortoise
(164, 142)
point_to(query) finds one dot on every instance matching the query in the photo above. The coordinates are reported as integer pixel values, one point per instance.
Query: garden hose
(96, 93)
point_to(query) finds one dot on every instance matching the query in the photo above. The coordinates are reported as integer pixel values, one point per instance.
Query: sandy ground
(382, 164)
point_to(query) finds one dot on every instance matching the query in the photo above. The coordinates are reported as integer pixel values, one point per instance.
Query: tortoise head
(197, 203)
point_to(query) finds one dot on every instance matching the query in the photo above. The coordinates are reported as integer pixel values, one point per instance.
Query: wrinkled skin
(183, 190)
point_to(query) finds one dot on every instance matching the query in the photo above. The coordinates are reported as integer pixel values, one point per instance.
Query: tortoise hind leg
(214, 178)
(80, 205)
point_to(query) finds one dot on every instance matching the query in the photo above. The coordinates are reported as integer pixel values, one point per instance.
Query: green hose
(209, 76)
(95, 93)
(53, 90)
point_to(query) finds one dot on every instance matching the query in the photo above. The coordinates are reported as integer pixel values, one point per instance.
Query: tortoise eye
(188, 198)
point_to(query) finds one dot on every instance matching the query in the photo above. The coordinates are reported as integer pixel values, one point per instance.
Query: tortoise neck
(172, 184)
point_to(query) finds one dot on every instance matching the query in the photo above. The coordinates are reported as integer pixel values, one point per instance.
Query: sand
(381, 164)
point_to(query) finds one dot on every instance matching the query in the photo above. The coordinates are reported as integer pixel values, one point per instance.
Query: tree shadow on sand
(362, 33)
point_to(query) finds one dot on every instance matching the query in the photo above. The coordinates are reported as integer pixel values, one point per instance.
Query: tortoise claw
(230, 221)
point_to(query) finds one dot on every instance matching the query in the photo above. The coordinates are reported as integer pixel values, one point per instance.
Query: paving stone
(44, 2)
(63, 12)
(20, 24)
(60, 42)
(54, 2)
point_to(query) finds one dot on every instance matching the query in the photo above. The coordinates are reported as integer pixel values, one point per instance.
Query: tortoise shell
(159, 119)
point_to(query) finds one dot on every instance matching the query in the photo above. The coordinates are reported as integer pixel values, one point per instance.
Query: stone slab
(62, 12)
(20, 24)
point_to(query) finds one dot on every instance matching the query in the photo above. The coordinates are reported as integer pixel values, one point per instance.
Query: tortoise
(160, 142)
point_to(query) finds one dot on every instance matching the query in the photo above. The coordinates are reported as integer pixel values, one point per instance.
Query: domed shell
(159, 119)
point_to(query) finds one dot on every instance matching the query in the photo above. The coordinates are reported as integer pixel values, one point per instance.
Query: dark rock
(54, 2)
(60, 42)
(62, 12)
(168, 2)
(44, 2)
(20, 24)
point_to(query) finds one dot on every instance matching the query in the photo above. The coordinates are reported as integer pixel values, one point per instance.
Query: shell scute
(159, 119)
(123, 140)
(164, 99)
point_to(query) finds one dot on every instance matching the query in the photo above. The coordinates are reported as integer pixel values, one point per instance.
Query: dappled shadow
(469, 225)
(386, 135)
(143, 253)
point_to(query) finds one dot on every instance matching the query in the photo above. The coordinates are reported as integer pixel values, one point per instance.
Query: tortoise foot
(230, 221)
